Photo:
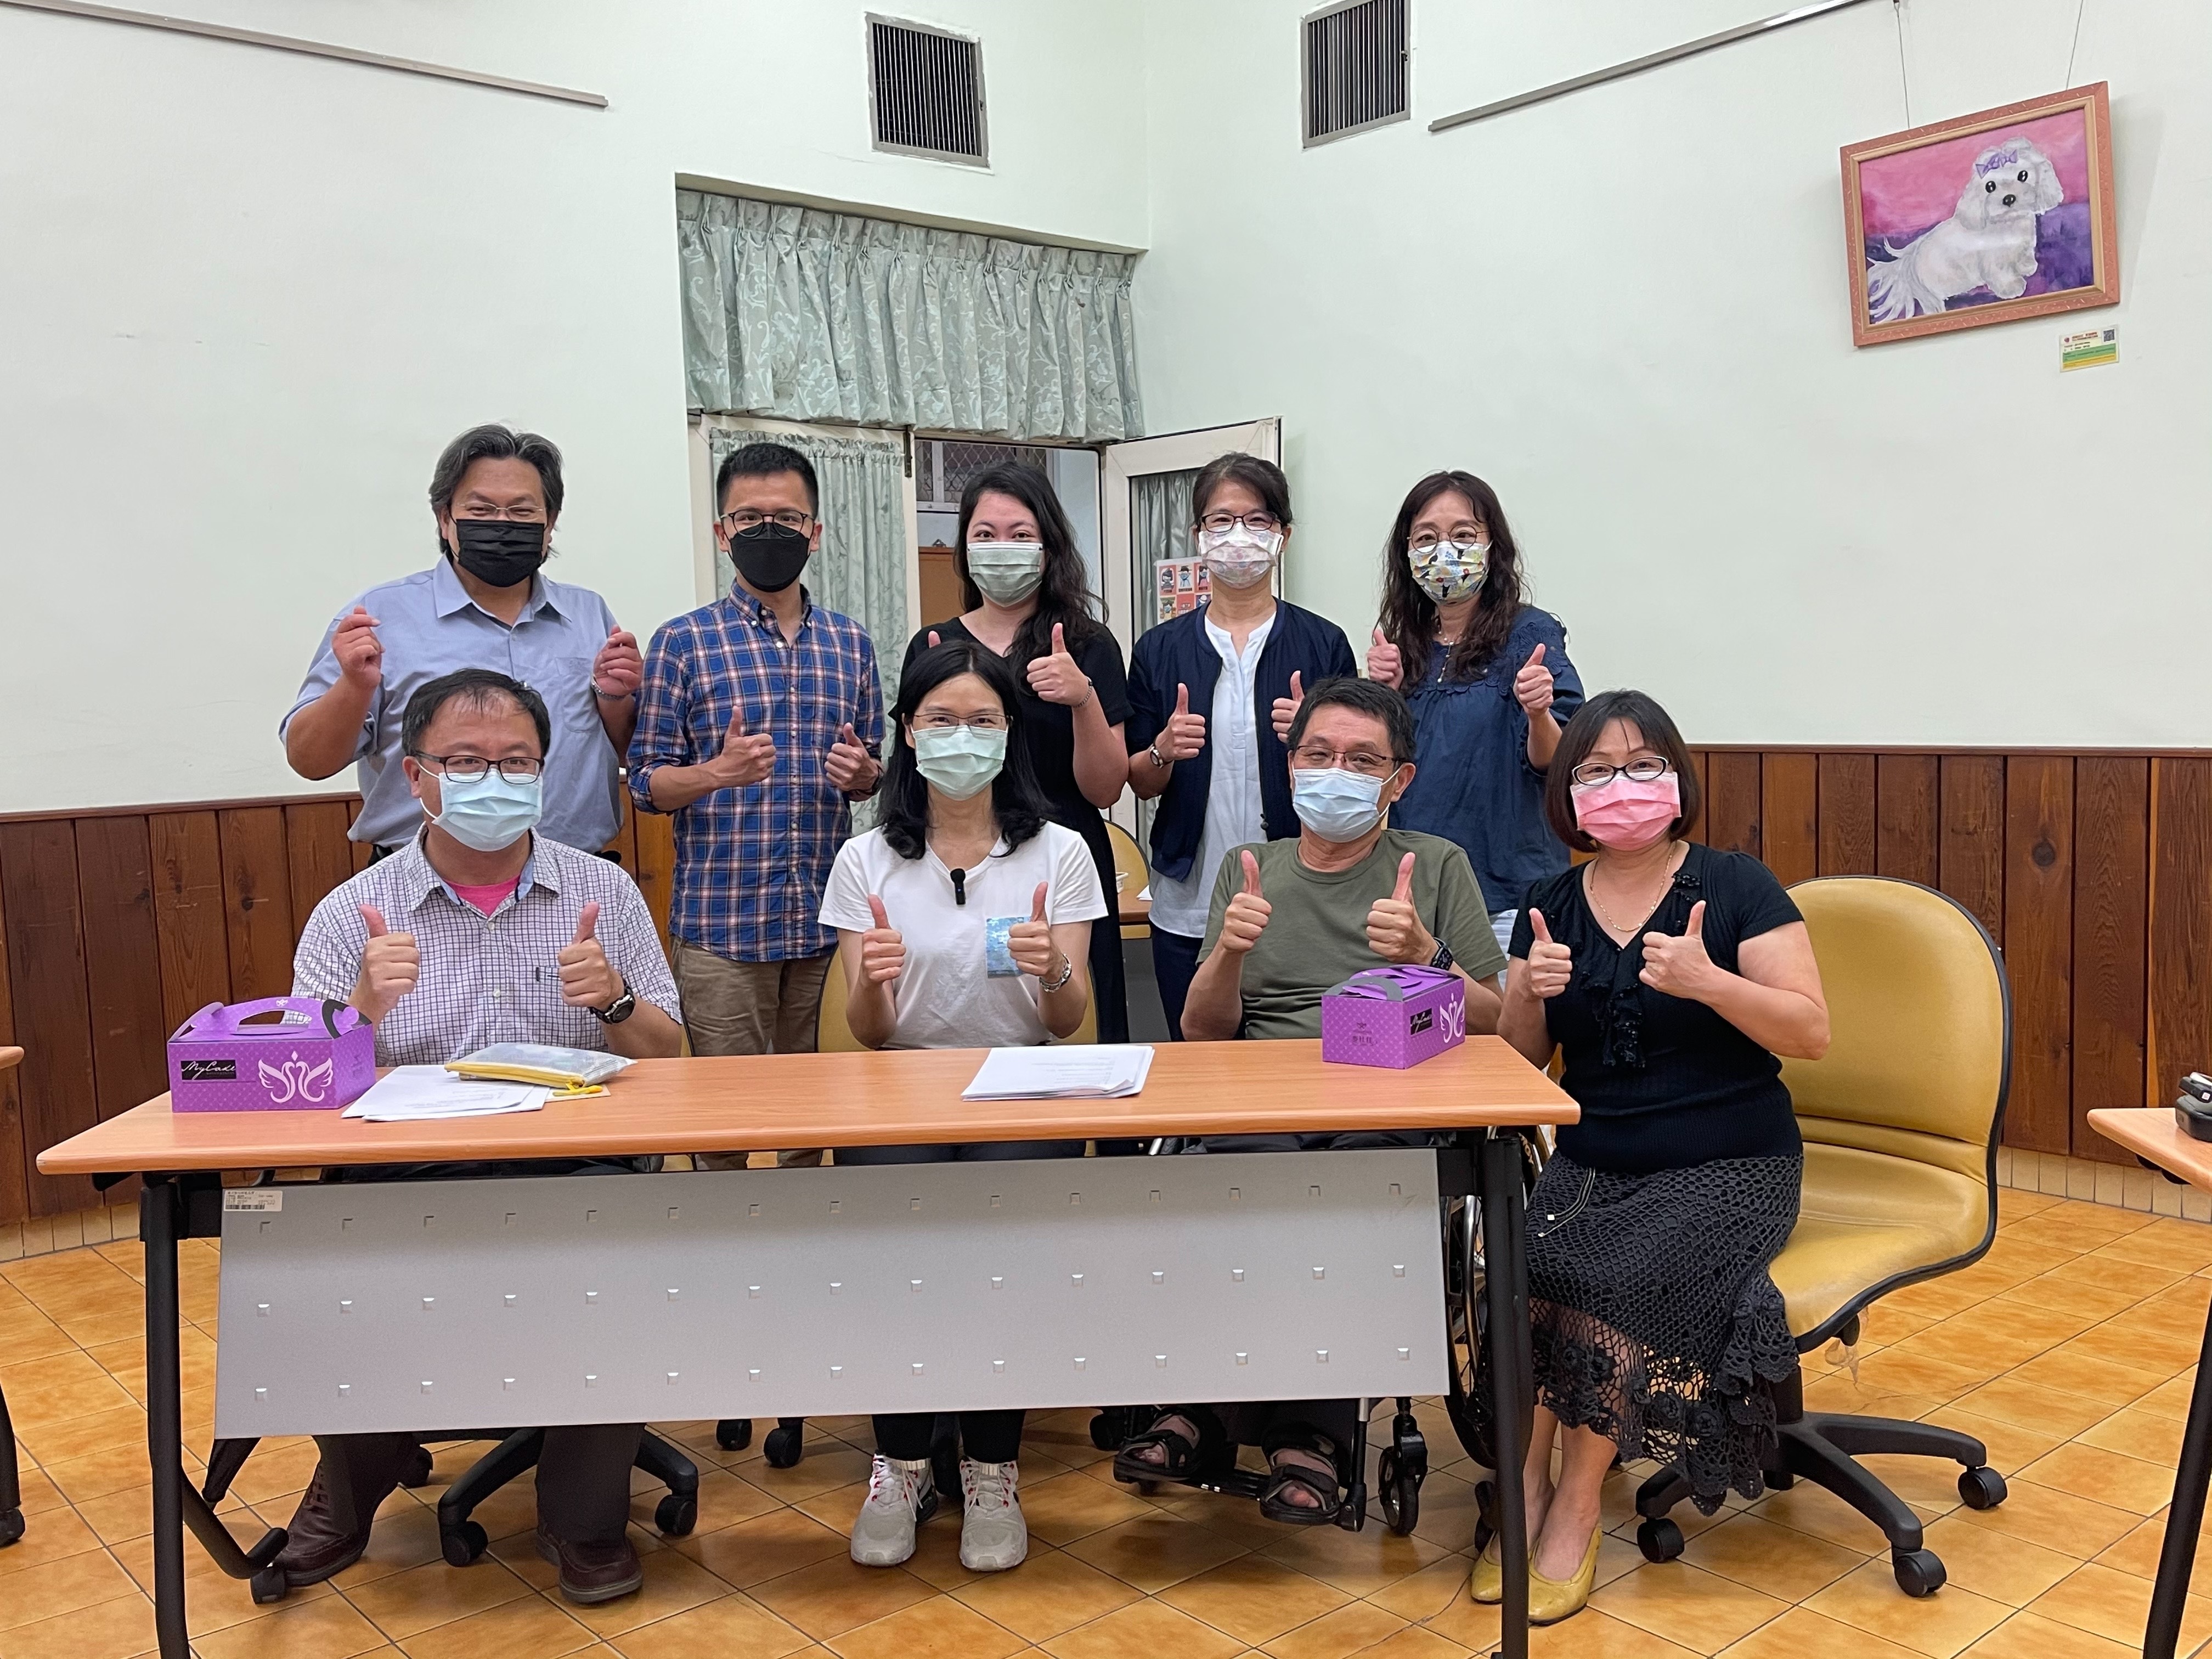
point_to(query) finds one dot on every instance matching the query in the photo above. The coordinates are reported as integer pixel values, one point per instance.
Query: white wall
(245, 297)
(1626, 309)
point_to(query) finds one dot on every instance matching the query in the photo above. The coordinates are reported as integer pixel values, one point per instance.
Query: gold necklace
(1607, 916)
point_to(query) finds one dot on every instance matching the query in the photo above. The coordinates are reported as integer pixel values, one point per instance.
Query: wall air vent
(1354, 60)
(925, 92)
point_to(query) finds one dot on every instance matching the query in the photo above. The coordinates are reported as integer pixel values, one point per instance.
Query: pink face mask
(1627, 814)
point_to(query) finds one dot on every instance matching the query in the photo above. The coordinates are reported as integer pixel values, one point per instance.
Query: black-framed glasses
(467, 768)
(746, 519)
(1645, 769)
(526, 514)
(1365, 761)
(1259, 523)
(943, 722)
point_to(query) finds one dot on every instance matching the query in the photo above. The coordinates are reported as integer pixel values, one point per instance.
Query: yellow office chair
(1900, 1120)
(1136, 875)
(835, 1035)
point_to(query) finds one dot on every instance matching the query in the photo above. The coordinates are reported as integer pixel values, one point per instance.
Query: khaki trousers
(751, 1008)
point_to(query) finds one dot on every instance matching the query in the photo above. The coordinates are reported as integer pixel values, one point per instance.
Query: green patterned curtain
(801, 315)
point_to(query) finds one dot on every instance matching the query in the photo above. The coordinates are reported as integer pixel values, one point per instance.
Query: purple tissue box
(219, 1063)
(1393, 1017)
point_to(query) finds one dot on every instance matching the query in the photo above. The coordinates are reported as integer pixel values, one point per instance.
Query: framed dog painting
(1984, 219)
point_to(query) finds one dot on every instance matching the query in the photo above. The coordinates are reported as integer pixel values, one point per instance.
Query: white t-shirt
(1234, 816)
(946, 998)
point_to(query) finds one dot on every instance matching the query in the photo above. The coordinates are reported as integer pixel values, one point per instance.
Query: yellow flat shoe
(1551, 1600)
(1487, 1582)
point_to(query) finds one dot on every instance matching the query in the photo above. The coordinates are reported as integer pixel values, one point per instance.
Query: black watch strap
(618, 1011)
(1443, 958)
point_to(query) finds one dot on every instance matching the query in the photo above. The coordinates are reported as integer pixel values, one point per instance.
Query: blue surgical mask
(960, 759)
(489, 812)
(1335, 804)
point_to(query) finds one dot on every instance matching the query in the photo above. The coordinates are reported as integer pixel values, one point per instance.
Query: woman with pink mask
(1669, 977)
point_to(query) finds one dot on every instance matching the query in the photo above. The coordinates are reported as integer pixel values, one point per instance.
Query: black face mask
(769, 556)
(500, 551)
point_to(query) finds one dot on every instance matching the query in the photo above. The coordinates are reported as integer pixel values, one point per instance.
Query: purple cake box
(322, 1061)
(1393, 1017)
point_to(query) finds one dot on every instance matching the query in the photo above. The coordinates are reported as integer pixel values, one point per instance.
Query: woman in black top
(1670, 976)
(1023, 581)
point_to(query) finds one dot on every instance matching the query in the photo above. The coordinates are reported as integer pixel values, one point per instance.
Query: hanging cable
(1904, 73)
(2075, 51)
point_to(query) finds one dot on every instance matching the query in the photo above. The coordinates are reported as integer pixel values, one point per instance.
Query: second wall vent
(1354, 59)
(925, 92)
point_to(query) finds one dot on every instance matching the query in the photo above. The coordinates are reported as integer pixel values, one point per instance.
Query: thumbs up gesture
(358, 652)
(883, 952)
(588, 980)
(1680, 966)
(1030, 942)
(1184, 734)
(1532, 686)
(1384, 665)
(744, 759)
(1286, 708)
(618, 668)
(1395, 931)
(390, 965)
(850, 767)
(1056, 679)
(1551, 966)
(1246, 917)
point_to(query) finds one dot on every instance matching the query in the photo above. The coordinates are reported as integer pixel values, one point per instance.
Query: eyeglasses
(526, 514)
(1645, 769)
(1259, 524)
(1462, 534)
(1365, 761)
(948, 722)
(467, 768)
(745, 519)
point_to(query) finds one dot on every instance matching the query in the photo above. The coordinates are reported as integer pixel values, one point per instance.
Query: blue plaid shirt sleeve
(663, 736)
(868, 717)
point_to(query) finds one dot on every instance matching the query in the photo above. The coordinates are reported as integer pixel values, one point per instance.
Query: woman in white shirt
(963, 921)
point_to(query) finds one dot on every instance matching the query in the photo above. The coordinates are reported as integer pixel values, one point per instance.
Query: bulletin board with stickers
(1180, 585)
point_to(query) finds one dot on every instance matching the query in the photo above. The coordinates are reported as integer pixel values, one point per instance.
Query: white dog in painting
(1988, 240)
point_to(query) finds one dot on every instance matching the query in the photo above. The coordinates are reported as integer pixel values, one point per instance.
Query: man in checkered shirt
(482, 930)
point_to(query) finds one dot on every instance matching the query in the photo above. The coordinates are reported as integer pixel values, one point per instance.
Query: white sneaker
(900, 1495)
(993, 1534)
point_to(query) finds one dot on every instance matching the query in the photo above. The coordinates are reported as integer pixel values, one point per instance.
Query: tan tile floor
(2068, 1350)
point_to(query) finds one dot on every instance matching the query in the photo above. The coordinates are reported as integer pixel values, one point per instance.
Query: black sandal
(1183, 1454)
(1327, 1489)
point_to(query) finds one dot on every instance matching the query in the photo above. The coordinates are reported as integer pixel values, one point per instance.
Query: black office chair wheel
(1397, 1484)
(11, 1526)
(1660, 1540)
(783, 1444)
(1919, 1572)
(734, 1433)
(269, 1586)
(462, 1544)
(1981, 1488)
(417, 1473)
(1780, 1480)
(676, 1515)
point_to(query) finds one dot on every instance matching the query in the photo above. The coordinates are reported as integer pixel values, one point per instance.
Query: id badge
(999, 946)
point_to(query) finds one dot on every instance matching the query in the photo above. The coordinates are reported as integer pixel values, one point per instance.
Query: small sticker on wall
(2092, 348)
(253, 1197)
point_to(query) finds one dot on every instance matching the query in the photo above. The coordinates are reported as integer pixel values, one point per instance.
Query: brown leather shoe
(318, 1543)
(592, 1572)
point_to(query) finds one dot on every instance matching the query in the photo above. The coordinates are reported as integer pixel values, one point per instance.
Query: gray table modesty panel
(794, 1292)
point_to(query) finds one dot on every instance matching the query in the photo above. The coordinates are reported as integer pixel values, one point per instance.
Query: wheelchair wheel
(1465, 1315)
(1398, 1488)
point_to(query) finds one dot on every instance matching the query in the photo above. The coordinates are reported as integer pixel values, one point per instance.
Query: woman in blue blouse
(1489, 681)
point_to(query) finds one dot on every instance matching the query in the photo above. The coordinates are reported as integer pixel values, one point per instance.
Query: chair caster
(462, 1544)
(11, 1526)
(783, 1446)
(1919, 1572)
(269, 1587)
(676, 1515)
(417, 1473)
(1660, 1540)
(1779, 1479)
(1398, 1482)
(1982, 1488)
(734, 1433)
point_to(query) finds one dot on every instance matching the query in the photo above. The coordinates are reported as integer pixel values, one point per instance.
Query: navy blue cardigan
(1178, 654)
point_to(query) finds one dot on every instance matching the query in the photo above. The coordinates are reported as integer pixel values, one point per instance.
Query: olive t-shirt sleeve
(1463, 917)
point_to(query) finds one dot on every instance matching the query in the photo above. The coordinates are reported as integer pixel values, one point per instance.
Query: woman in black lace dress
(1669, 977)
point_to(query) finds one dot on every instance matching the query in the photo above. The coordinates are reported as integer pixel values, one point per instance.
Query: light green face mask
(1006, 571)
(958, 760)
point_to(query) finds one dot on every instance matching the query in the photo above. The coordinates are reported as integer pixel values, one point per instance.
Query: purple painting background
(2065, 256)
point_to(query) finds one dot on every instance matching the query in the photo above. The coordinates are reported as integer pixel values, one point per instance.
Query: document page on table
(1090, 1071)
(418, 1093)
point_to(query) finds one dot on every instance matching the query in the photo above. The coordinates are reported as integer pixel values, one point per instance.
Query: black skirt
(1655, 1317)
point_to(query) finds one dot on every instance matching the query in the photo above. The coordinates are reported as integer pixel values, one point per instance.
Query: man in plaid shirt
(759, 719)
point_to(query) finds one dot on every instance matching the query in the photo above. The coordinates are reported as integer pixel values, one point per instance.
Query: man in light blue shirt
(496, 495)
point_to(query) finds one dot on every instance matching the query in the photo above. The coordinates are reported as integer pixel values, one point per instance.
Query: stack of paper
(414, 1094)
(1087, 1072)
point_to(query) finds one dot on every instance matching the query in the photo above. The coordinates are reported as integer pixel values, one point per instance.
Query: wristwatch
(1443, 958)
(1154, 751)
(1058, 982)
(618, 1011)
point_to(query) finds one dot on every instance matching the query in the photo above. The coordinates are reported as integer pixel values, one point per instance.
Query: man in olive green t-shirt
(1291, 919)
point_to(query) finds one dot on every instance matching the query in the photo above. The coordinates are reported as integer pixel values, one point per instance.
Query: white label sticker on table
(253, 1197)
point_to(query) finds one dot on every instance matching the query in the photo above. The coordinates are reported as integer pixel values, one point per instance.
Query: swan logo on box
(296, 1079)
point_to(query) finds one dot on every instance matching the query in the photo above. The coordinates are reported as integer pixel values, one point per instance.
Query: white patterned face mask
(1238, 558)
(1449, 571)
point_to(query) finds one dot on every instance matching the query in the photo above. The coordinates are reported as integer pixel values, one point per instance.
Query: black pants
(1109, 988)
(980, 1152)
(986, 1437)
(1175, 962)
(583, 1477)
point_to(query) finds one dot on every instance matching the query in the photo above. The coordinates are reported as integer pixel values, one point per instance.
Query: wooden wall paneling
(191, 932)
(1790, 815)
(2038, 949)
(1970, 840)
(45, 964)
(2180, 925)
(1847, 815)
(2111, 911)
(318, 855)
(1732, 802)
(1704, 757)
(1906, 796)
(14, 1155)
(122, 962)
(256, 901)
(656, 862)
(358, 851)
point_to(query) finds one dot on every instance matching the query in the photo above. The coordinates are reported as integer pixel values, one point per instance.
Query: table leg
(158, 1223)
(1506, 1289)
(2186, 1515)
